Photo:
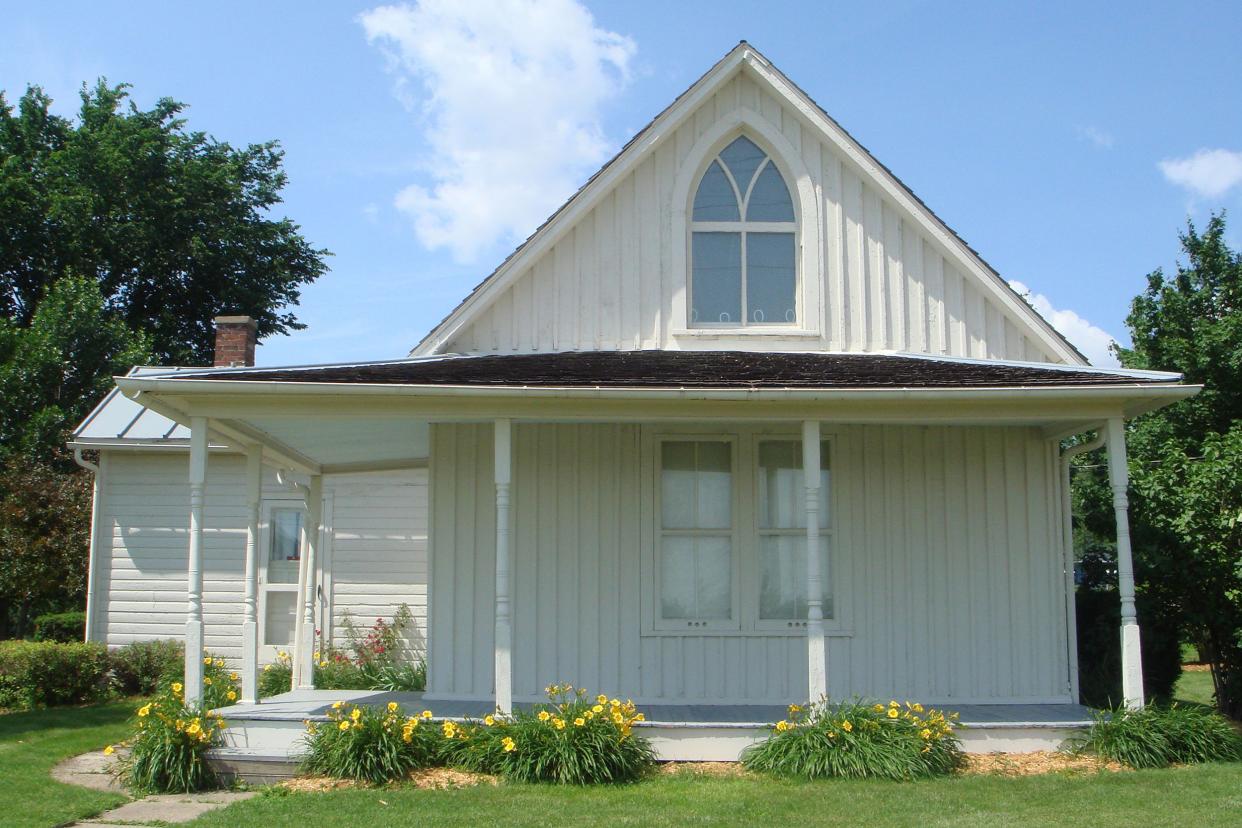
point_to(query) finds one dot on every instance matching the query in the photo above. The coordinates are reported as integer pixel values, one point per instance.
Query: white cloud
(510, 92)
(1100, 138)
(1209, 173)
(1088, 338)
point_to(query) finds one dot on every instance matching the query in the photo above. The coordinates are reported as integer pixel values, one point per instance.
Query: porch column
(250, 617)
(194, 570)
(305, 655)
(1131, 654)
(504, 634)
(817, 668)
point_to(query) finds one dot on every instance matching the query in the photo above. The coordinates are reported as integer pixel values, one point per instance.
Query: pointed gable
(876, 269)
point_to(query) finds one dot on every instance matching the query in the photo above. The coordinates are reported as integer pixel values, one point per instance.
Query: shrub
(171, 739)
(399, 678)
(38, 673)
(60, 626)
(277, 677)
(1156, 737)
(371, 744)
(571, 740)
(857, 740)
(141, 667)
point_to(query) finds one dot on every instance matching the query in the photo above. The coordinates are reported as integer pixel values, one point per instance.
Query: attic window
(742, 246)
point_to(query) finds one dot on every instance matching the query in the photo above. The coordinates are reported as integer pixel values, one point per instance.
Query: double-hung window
(283, 543)
(781, 504)
(696, 573)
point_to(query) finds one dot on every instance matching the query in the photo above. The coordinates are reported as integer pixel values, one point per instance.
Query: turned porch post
(504, 634)
(817, 667)
(250, 616)
(194, 569)
(305, 653)
(1131, 654)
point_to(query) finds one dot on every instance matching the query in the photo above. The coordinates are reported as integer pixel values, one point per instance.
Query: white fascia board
(191, 387)
(1166, 376)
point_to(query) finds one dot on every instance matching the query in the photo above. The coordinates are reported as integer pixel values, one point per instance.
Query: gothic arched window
(742, 246)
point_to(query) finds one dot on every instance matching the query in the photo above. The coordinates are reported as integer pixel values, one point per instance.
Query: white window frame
(698, 625)
(745, 228)
(745, 558)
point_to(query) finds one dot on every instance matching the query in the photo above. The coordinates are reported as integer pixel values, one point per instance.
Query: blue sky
(1067, 142)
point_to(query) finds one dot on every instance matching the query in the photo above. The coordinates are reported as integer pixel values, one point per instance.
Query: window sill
(799, 632)
(770, 332)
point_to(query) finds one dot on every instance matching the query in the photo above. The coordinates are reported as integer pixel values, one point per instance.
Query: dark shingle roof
(695, 369)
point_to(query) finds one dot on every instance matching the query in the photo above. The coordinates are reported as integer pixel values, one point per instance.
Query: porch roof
(697, 369)
(377, 415)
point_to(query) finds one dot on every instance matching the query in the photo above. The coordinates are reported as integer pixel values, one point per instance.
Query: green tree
(1186, 502)
(173, 225)
(61, 364)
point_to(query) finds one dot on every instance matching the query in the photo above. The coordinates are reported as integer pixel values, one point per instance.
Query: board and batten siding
(946, 559)
(609, 282)
(376, 554)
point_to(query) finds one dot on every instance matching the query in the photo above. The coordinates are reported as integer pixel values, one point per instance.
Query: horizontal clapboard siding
(377, 554)
(609, 282)
(947, 561)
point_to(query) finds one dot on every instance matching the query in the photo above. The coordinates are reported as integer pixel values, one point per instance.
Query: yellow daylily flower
(144, 711)
(176, 687)
(559, 724)
(489, 720)
(356, 713)
(579, 722)
(337, 705)
(109, 750)
(782, 726)
(599, 708)
(509, 744)
(601, 699)
(207, 681)
(207, 661)
(232, 695)
(925, 733)
(344, 725)
(426, 714)
(232, 676)
(847, 726)
(393, 706)
(892, 713)
(544, 715)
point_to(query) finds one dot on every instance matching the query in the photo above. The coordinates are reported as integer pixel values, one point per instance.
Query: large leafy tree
(1185, 459)
(173, 225)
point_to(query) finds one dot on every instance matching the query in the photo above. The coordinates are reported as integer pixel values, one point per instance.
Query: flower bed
(857, 740)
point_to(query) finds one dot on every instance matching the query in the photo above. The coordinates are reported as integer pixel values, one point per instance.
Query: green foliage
(139, 668)
(858, 740)
(60, 626)
(57, 366)
(45, 673)
(164, 219)
(573, 739)
(45, 518)
(1156, 737)
(377, 658)
(171, 738)
(371, 744)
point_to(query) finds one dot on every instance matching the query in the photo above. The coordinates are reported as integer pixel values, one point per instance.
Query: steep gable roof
(742, 56)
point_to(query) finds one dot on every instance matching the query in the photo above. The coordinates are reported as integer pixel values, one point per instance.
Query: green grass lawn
(32, 742)
(1194, 686)
(1204, 795)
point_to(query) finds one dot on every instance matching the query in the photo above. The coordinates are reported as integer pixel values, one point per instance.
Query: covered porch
(492, 646)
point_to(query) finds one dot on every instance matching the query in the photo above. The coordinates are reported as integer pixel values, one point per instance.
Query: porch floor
(301, 705)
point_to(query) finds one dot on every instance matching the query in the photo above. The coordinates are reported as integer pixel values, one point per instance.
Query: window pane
(715, 199)
(285, 546)
(743, 158)
(715, 478)
(771, 283)
(769, 198)
(696, 578)
(781, 494)
(677, 486)
(696, 485)
(279, 618)
(782, 588)
(717, 278)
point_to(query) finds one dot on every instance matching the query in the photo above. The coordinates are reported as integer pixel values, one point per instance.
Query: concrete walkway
(94, 770)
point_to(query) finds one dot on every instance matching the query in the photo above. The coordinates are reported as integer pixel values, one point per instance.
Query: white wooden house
(743, 340)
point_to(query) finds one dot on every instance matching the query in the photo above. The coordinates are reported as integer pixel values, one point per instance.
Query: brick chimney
(235, 341)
